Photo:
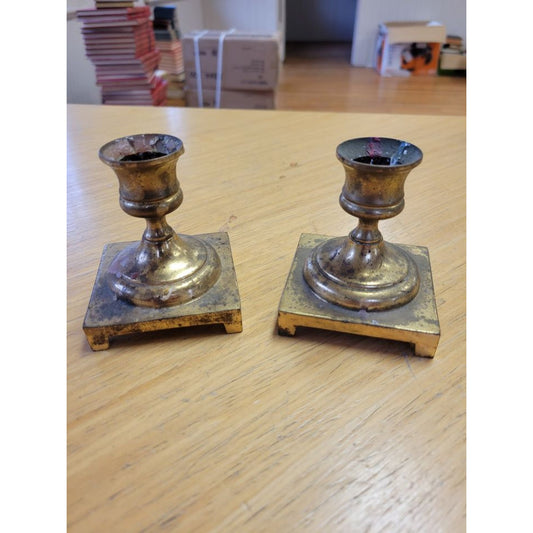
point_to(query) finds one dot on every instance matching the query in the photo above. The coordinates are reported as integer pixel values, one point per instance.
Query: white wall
(369, 13)
(262, 16)
(247, 15)
(81, 79)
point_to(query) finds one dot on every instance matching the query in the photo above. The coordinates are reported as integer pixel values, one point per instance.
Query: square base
(416, 322)
(108, 316)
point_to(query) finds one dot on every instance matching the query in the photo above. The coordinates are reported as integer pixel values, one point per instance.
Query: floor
(319, 77)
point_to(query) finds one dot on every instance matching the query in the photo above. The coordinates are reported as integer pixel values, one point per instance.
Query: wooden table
(197, 430)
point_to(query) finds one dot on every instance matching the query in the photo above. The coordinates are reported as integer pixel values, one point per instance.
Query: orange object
(421, 58)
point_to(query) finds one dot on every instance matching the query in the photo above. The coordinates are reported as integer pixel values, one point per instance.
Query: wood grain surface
(197, 430)
(319, 77)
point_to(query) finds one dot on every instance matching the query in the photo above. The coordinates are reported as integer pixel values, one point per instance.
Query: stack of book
(119, 41)
(104, 4)
(168, 42)
(453, 56)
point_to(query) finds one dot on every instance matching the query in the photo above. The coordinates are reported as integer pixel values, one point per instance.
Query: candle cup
(362, 271)
(164, 268)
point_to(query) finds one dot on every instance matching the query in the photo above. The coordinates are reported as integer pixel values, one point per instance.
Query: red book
(127, 27)
(126, 12)
(149, 58)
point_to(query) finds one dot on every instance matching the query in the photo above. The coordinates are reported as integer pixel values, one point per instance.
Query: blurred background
(327, 54)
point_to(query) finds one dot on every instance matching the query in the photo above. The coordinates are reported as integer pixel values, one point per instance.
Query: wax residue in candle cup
(395, 159)
(373, 160)
(142, 156)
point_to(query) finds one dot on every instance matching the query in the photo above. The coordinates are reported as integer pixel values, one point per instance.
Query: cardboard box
(230, 99)
(405, 48)
(249, 61)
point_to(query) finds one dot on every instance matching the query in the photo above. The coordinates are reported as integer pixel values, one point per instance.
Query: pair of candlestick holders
(356, 284)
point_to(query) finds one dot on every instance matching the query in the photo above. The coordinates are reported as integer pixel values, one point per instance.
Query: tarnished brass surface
(163, 274)
(164, 268)
(362, 271)
(416, 322)
(108, 316)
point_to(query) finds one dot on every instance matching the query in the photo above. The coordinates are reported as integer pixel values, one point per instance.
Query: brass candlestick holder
(362, 284)
(166, 280)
